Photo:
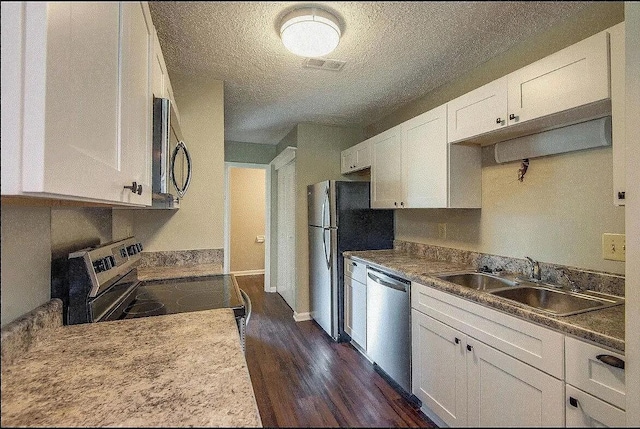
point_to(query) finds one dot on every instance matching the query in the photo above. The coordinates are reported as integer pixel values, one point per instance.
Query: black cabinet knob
(512, 116)
(498, 120)
(573, 401)
(457, 340)
(469, 347)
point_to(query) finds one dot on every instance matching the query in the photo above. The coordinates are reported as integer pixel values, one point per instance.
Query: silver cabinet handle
(180, 189)
(135, 188)
(394, 285)
(611, 361)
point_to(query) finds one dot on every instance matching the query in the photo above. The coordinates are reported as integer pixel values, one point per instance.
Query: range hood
(585, 135)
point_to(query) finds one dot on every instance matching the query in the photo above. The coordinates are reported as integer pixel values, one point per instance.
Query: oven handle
(247, 305)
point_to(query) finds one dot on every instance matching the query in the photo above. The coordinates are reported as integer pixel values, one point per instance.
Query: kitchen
(33, 231)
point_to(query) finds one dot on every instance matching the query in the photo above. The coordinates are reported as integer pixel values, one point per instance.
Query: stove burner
(195, 301)
(144, 296)
(144, 307)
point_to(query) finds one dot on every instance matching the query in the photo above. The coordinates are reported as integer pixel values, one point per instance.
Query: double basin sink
(541, 296)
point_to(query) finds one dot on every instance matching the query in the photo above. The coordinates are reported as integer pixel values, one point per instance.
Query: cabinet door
(618, 140)
(348, 299)
(348, 161)
(158, 69)
(424, 159)
(439, 368)
(386, 169)
(478, 112)
(586, 411)
(77, 152)
(572, 77)
(359, 313)
(505, 392)
(363, 155)
(136, 100)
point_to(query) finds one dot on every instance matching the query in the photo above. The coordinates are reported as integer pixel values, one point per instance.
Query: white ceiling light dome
(310, 32)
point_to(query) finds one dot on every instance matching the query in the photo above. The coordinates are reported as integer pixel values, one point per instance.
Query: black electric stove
(157, 297)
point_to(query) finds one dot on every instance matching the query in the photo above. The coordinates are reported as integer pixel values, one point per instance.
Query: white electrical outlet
(613, 247)
(442, 231)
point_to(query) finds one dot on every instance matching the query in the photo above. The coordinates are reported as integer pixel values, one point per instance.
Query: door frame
(267, 221)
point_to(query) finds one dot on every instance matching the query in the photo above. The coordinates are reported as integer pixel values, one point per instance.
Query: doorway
(247, 219)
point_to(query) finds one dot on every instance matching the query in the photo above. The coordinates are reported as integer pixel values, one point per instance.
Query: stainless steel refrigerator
(340, 219)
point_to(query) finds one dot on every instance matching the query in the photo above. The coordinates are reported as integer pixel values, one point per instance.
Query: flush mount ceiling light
(310, 32)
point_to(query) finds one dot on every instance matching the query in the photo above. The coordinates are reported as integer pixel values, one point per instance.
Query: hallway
(303, 379)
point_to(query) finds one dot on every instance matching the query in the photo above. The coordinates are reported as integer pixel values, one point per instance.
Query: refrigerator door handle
(327, 256)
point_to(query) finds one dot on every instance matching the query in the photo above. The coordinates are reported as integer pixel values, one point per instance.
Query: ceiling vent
(322, 64)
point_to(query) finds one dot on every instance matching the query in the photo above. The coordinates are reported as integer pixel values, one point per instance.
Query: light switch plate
(613, 247)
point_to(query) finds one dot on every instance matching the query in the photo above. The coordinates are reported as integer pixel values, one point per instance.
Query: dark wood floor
(301, 378)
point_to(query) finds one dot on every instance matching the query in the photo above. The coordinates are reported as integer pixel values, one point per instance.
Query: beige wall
(247, 220)
(559, 212)
(199, 223)
(31, 237)
(26, 260)
(249, 153)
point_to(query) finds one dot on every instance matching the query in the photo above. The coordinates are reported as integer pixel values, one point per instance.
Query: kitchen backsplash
(182, 258)
(598, 281)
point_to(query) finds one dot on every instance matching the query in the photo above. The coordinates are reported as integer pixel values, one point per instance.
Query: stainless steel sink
(558, 302)
(478, 281)
(541, 296)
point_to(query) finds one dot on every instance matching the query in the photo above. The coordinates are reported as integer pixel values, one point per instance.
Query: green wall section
(249, 153)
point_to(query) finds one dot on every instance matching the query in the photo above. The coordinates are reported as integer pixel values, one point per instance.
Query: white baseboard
(247, 273)
(301, 317)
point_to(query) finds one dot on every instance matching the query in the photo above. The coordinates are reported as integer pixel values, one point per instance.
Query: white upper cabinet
(414, 166)
(86, 106)
(136, 106)
(616, 34)
(575, 76)
(569, 86)
(479, 111)
(161, 84)
(386, 169)
(356, 158)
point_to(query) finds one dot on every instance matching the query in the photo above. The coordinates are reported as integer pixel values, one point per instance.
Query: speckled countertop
(604, 327)
(184, 369)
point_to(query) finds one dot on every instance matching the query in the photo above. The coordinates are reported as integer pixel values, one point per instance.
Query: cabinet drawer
(535, 345)
(356, 270)
(588, 373)
(590, 411)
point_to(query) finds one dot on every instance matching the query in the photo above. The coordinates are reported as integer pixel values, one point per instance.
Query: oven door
(110, 305)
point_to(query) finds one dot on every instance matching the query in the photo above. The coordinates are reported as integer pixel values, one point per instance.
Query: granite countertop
(604, 327)
(185, 369)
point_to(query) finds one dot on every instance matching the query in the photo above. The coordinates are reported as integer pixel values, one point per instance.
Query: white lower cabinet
(468, 383)
(587, 411)
(355, 302)
(477, 367)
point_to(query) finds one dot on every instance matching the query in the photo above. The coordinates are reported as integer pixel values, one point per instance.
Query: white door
(285, 284)
(386, 169)
(80, 154)
(424, 159)
(574, 76)
(439, 368)
(505, 392)
(478, 111)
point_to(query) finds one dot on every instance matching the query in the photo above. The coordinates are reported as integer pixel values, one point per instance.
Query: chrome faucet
(535, 269)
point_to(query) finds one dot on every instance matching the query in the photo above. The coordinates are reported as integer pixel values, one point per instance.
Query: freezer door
(321, 204)
(320, 278)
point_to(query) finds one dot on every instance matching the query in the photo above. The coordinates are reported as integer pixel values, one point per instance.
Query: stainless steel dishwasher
(389, 325)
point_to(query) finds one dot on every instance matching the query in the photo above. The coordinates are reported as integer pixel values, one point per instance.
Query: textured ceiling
(394, 53)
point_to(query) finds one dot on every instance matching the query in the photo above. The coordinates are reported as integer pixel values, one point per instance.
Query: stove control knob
(101, 265)
(139, 247)
(112, 261)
